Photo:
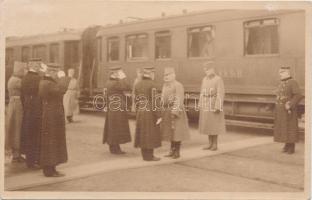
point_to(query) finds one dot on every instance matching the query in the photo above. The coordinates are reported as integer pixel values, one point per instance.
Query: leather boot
(172, 146)
(176, 153)
(214, 146)
(285, 148)
(209, 144)
(291, 148)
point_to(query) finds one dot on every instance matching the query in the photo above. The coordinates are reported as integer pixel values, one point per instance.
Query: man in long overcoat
(174, 125)
(116, 130)
(211, 116)
(30, 137)
(286, 114)
(147, 134)
(53, 139)
(15, 112)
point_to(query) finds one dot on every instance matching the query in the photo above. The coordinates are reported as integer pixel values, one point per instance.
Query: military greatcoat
(147, 133)
(174, 125)
(211, 99)
(30, 137)
(286, 121)
(53, 139)
(116, 130)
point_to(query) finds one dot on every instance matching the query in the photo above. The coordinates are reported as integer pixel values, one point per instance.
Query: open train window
(9, 56)
(40, 51)
(137, 46)
(261, 37)
(162, 45)
(54, 53)
(25, 54)
(113, 49)
(200, 41)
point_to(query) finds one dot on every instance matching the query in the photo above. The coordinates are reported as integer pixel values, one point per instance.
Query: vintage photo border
(181, 195)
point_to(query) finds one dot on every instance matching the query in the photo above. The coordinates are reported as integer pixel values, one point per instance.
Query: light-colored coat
(174, 125)
(211, 99)
(15, 114)
(70, 99)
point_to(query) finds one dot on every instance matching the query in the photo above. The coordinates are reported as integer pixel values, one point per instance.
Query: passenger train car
(247, 47)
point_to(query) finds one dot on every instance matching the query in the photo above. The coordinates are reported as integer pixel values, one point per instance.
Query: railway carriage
(247, 48)
(63, 48)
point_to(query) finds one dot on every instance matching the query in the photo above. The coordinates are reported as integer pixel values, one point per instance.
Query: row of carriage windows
(260, 38)
(40, 51)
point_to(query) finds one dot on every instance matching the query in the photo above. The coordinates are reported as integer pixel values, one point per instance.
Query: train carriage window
(25, 54)
(54, 53)
(9, 56)
(200, 41)
(113, 49)
(137, 46)
(261, 37)
(162, 45)
(40, 51)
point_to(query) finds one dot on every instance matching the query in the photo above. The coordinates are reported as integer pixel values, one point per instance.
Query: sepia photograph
(155, 99)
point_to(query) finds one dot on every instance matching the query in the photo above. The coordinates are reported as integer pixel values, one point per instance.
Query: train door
(71, 56)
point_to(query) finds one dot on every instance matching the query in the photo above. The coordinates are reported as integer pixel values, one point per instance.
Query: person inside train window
(162, 45)
(200, 41)
(113, 49)
(137, 46)
(261, 37)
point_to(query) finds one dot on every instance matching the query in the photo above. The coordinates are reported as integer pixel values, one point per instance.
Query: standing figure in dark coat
(147, 134)
(53, 139)
(116, 130)
(30, 136)
(286, 115)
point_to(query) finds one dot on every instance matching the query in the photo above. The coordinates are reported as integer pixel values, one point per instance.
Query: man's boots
(286, 147)
(291, 148)
(170, 154)
(214, 146)
(176, 152)
(209, 144)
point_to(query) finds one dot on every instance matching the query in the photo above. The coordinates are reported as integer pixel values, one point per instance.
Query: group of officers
(157, 119)
(36, 115)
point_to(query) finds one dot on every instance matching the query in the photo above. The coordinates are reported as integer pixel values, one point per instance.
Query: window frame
(170, 44)
(29, 53)
(213, 30)
(136, 59)
(278, 37)
(58, 52)
(46, 51)
(113, 38)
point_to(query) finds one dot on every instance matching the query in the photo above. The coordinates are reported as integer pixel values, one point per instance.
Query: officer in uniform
(116, 130)
(147, 134)
(30, 138)
(15, 112)
(53, 139)
(174, 126)
(286, 114)
(211, 115)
